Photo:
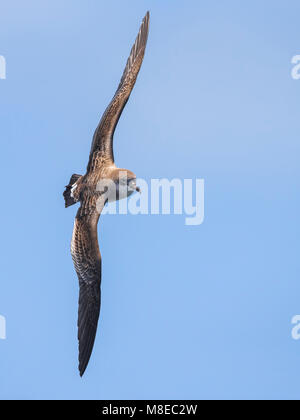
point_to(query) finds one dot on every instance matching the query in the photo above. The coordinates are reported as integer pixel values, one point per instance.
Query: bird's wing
(87, 261)
(102, 146)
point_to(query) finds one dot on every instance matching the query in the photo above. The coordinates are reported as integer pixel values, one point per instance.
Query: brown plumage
(85, 189)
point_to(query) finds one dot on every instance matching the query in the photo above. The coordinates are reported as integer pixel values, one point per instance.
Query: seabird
(83, 188)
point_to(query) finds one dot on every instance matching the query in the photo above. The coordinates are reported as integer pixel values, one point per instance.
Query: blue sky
(187, 312)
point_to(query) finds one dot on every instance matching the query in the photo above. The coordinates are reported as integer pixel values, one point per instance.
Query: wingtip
(81, 370)
(145, 25)
(146, 18)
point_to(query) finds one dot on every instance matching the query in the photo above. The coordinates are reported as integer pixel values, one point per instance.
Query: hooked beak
(133, 187)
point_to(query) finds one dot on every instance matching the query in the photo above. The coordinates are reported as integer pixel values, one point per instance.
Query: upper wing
(87, 261)
(103, 137)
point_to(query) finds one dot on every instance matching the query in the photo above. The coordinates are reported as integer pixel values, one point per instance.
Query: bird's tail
(69, 200)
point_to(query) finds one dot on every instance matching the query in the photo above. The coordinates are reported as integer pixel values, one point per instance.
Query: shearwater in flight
(83, 188)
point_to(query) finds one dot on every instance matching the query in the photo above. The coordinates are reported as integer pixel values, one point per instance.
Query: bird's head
(125, 181)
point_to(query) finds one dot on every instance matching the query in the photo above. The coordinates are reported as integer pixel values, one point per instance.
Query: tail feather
(69, 200)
